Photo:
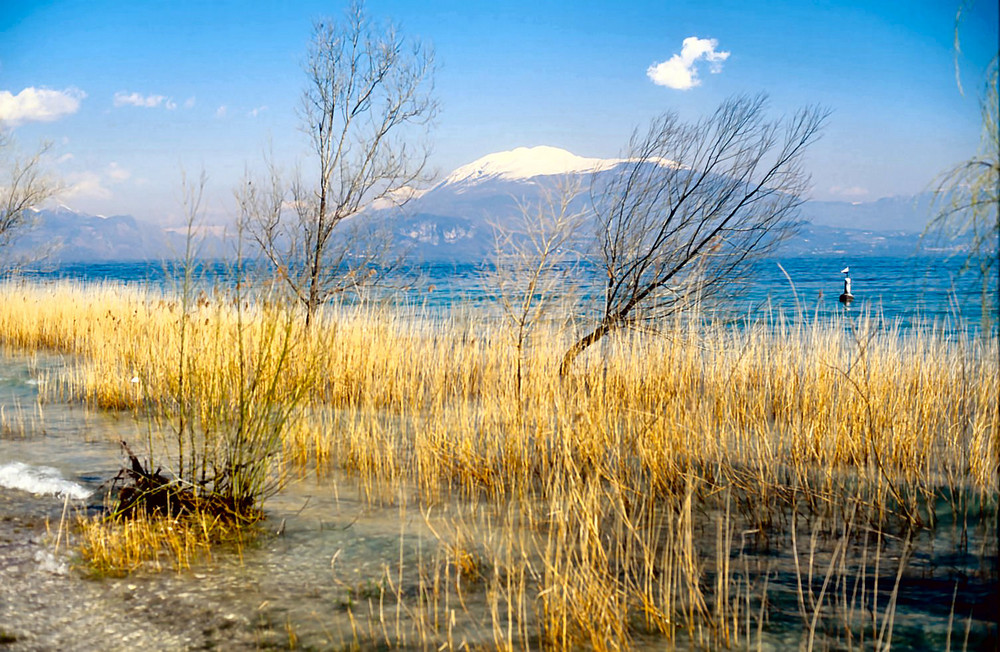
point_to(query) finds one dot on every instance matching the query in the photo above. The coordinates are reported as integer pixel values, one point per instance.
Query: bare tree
(365, 109)
(23, 184)
(534, 261)
(692, 206)
(967, 200)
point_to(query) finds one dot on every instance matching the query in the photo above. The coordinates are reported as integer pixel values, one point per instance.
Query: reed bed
(615, 495)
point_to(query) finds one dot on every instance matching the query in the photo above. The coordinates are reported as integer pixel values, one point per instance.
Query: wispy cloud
(679, 71)
(849, 191)
(189, 103)
(94, 184)
(144, 101)
(221, 111)
(85, 185)
(117, 173)
(256, 112)
(38, 105)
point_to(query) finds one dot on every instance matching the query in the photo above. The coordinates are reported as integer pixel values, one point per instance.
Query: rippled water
(912, 291)
(331, 553)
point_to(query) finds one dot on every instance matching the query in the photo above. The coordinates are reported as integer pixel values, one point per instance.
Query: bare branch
(24, 184)
(366, 108)
(693, 206)
(533, 264)
(967, 199)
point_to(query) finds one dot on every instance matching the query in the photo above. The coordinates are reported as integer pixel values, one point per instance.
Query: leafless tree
(365, 109)
(23, 184)
(692, 206)
(967, 200)
(535, 260)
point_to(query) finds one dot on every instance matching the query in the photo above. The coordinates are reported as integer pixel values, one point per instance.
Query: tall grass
(615, 497)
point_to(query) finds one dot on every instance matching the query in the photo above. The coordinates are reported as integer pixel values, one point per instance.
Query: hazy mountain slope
(906, 214)
(490, 191)
(455, 220)
(64, 235)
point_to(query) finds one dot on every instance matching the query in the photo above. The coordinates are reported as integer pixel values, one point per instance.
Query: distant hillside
(455, 220)
(889, 214)
(63, 235)
(818, 240)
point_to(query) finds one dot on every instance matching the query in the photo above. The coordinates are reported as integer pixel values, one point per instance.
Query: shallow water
(331, 563)
(331, 553)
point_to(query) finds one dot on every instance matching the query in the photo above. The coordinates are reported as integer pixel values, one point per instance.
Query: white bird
(846, 298)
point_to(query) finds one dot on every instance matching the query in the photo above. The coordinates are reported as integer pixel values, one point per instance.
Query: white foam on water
(41, 480)
(47, 563)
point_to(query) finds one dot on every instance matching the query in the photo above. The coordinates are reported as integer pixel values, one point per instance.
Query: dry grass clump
(119, 546)
(628, 499)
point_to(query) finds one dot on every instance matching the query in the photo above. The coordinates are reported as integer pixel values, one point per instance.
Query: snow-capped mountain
(455, 219)
(524, 163)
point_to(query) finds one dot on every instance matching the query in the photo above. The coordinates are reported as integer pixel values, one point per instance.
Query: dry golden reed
(597, 481)
(117, 545)
(821, 395)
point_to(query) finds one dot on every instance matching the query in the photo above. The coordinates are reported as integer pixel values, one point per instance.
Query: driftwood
(142, 491)
(137, 490)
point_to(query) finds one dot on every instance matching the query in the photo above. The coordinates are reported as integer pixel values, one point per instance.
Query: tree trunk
(605, 327)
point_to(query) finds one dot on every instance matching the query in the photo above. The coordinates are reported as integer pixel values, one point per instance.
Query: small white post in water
(846, 298)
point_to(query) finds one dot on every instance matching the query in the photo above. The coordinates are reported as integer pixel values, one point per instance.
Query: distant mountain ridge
(454, 220)
(490, 190)
(526, 163)
(62, 235)
(907, 214)
(68, 235)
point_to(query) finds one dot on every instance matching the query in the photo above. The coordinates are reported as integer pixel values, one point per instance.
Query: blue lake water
(912, 291)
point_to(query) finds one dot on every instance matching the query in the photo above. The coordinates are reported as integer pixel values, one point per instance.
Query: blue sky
(131, 93)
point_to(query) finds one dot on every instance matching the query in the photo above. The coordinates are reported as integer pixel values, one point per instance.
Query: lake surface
(911, 292)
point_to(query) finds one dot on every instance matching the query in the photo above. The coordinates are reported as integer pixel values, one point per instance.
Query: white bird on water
(846, 298)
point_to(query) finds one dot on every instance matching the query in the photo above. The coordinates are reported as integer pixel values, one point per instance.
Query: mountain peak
(524, 163)
(63, 209)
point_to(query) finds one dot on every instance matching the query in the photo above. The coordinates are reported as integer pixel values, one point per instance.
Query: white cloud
(221, 111)
(189, 103)
(849, 191)
(145, 101)
(85, 185)
(38, 105)
(93, 184)
(256, 112)
(679, 71)
(117, 173)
